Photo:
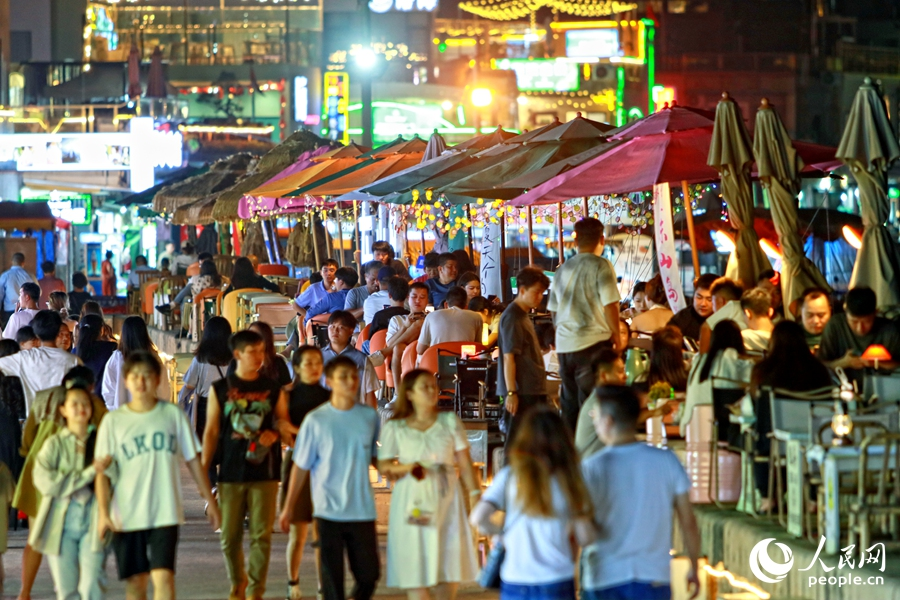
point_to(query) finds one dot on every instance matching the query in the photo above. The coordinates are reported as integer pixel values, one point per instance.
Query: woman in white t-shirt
(134, 338)
(546, 503)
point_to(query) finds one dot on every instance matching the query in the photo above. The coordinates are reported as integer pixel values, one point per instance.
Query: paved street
(201, 571)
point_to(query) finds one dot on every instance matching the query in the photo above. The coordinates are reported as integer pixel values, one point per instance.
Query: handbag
(489, 578)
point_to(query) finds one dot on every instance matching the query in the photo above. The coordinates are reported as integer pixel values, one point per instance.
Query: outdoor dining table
(833, 461)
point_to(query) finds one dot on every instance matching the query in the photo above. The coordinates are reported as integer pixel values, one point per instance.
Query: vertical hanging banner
(490, 261)
(665, 246)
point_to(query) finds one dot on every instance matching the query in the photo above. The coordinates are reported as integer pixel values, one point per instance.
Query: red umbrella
(134, 72)
(156, 79)
(669, 119)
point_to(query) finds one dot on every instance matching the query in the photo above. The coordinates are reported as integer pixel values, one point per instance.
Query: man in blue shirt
(344, 280)
(446, 279)
(10, 283)
(356, 299)
(316, 292)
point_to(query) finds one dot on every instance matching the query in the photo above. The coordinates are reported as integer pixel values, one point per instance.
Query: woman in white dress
(430, 544)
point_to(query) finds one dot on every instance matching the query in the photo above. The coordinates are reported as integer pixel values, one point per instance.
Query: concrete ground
(200, 572)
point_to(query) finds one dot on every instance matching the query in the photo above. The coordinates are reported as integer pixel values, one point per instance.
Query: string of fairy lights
(511, 10)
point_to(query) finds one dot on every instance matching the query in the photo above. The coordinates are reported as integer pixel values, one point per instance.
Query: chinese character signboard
(337, 102)
(665, 247)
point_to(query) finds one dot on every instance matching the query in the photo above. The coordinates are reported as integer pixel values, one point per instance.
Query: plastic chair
(715, 473)
(378, 342)
(363, 336)
(148, 290)
(192, 269)
(408, 360)
(272, 269)
(230, 304)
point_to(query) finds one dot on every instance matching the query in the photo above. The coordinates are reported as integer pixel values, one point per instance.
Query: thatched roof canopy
(221, 175)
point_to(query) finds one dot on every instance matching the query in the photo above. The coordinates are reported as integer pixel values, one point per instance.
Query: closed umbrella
(156, 79)
(435, 147)
(730, 155)
(134, 72)
(868, 147)
(779, 166)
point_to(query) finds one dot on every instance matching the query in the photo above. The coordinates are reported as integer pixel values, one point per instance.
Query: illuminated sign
(542, 75)
(383, 6)
(337, 99)
(137, 151)
(301, 99)
(593, 43)
(70, 206)
(662, 95)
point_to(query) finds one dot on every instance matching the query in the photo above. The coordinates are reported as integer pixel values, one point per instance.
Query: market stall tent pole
(689, 216)
(276, 248)
(559, 233)
(340, 231)
(312, 226)
(584, 207)
(530, 238)
(359, 268)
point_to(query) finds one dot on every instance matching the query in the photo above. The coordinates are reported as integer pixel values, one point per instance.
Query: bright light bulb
(482, 97)
(726, 244)
(366, 58)
(852, 237)
(447, 105)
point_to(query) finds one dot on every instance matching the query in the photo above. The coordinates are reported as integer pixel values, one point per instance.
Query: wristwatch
(512, 393)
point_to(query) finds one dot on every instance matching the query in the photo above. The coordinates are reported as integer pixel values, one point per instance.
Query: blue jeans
(563, 590)
(633, 590)
(78, 571)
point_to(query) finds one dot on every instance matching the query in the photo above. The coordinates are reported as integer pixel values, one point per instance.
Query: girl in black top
(12, 412)
(93, 351)
(305, 395)
(245, 276)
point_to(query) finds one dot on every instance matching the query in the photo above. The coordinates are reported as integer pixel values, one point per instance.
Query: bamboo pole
(584, 207)
(359, 268)
(689, 215)
(329, 241)
(422, 233)
(530, 238)
(559, 232)
(502, 257)
(340, 230)
(312, 221)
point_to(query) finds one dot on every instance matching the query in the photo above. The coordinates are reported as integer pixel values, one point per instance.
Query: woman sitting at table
(666, 361)
(723, 369)
(788, 366)
(658, 313)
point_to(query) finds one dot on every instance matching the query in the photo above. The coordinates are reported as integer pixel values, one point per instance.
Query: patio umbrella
(435, 147)
(869, 147)
(156, 79)
(134, 72)
(369, 172)
(577, 128)
(221, 175)
(250, 204)
(779, 168)
(730, 155)
(669, 119)
(484, 141)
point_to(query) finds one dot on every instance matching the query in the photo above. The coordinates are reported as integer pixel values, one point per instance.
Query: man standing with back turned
(584, 301)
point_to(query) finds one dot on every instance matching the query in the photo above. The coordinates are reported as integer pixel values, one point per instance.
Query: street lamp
(366, 58)
(482, 97)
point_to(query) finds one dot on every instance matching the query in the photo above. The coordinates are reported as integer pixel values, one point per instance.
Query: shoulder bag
(489, 578)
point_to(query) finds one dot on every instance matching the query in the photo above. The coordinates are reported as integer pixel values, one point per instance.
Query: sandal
(293, 590)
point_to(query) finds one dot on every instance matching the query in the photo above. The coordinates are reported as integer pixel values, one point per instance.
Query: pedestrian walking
(134, 338)
(11, 282)
(335, 446)
(209, 365)
(108, 275)
(429, 545)
(240, 424)
(93, 350)
(546, 506)
(139, 494)
(585, 306)
(29, 295)
(66, 525)
(298, 400)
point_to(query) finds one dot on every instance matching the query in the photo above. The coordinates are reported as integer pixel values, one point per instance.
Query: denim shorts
(633, 590)
(562, 590)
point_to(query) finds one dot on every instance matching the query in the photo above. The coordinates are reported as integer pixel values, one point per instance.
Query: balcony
(853, 58)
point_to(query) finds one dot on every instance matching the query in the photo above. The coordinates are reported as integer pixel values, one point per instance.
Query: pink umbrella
(134, 72)
(248, 206)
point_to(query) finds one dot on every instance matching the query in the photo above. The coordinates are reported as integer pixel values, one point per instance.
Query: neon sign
(542, 75)
(337, 99)
(383, 6)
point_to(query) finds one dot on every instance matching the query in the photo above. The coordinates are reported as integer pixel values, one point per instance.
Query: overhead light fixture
(770, 249)
(853, 238)
(482, 97)
(724, 241)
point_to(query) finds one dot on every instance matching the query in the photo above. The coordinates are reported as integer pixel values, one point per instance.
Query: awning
(26, 215)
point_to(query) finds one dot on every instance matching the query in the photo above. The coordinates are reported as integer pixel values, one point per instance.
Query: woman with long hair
(275, 365)
(92, 349)
(469, 281)
(59, 302)
(245, 276)
(490, 315)
(546, 504)
(789, 365)
(210, 363)
(658, 312)
(208, 278)
(303, 396)
(134, 338)
(12, 413)
(667, 360)
(429, 545)
(724, 368)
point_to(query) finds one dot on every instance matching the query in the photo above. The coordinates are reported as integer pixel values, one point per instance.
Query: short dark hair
(140, 259)
(331, 262)
(18, 258)
(478, 304)
(530, 277)
(25, 334)
(726, 288)
(204, 256)
(164, 263)
(588, 233)
(705, 281)
(758, 301)
(639, 288)
(79, 280)
(343, 317)
(242, 339)
(432, 260)
(813, 294)
(336, 363)
(80, 377)
(861, 302)
(419, 285)
(348, 276)
(446, 257)
(32, 290)
(605, 358)
(382, 246)
(46, 324)
(766, 275)
(147, 359)
(456, 296)
(398, 289)
(620, 403)
(372, 266)
(297, 358)
(48, 267)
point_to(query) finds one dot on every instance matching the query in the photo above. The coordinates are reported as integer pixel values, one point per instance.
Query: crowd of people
(93, 450)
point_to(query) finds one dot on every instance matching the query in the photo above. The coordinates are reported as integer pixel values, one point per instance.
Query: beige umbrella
(730, 155)
(221, 175)
(868, 147)
(779, 166)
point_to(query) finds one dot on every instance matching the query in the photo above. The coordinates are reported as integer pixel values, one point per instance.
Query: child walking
(139, 494)
(66, 526)
(336, 446)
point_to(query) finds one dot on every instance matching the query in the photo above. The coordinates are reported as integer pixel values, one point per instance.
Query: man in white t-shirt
(29, 296)
(380, 299)
(40, 368)
(452, 324)
(584, 300)
(757, 307)
(726, 301)
(635, 489)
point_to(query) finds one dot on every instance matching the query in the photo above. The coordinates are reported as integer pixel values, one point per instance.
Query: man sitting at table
(814, 312)
(446, 279)
(757, 307)
(455, 324)
(726, 303)
(847, 336)
(689, 320)
(344, 280)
